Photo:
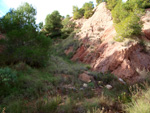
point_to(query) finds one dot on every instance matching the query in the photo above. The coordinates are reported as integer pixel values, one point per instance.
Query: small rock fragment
(108, 86)
(122, 81)
(85, 85)
(81, 89)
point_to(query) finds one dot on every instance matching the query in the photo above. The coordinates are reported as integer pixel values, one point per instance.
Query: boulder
(85, 77)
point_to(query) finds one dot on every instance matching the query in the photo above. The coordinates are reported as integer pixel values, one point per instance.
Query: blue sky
(43, 7)
(3, 8)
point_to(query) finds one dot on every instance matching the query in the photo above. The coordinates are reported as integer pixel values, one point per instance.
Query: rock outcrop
(104, 54)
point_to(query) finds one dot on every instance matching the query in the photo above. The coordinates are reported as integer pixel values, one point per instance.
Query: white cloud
(45, 7)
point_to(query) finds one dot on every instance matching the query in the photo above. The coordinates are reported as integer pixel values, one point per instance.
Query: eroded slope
(104, 54)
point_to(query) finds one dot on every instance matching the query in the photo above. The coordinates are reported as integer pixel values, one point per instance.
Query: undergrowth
(42, 91)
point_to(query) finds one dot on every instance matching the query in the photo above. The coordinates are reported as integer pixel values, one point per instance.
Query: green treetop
(23, 42)
(53, 24)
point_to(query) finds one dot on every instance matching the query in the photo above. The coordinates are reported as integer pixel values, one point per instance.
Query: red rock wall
(103, 53)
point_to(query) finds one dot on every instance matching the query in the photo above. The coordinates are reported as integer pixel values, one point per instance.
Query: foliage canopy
(126, 17)
(53, 24)
(86, 11)
(23, 42)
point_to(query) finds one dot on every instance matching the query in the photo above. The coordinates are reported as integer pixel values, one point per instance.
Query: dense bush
(23, 42)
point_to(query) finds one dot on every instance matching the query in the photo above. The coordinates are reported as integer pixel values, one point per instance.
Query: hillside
(76, 64)
(104, 54)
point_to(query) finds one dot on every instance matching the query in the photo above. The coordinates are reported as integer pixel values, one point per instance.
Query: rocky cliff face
(104, 54)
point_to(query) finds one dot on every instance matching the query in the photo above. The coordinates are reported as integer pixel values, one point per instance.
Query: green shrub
(88, 14)
(86, 11)
(77, 13)
(111, 4)
(68, 27)
(7, 76)
(88, 67)
(124, 98)
(117, 17)
(8, 80)
(126, 17)
(129, 27)
(88, 8)
(91, 85)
